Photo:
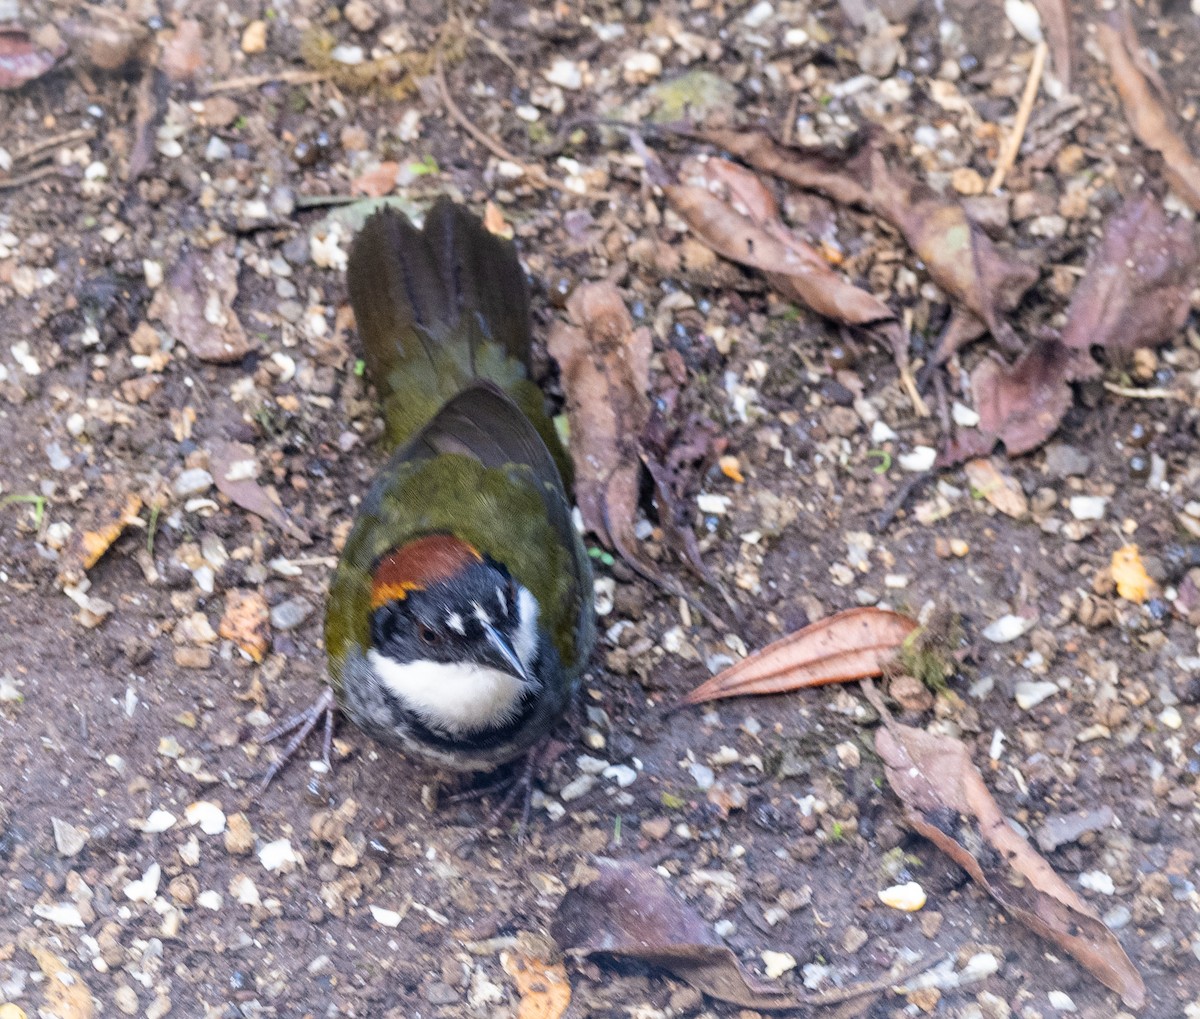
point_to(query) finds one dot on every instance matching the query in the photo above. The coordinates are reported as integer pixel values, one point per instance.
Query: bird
(460, 616)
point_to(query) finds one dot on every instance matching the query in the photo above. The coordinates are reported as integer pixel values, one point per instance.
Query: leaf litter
(22, 60)
(850, 645)
(946, 800)
(627, 910)
(605, 366)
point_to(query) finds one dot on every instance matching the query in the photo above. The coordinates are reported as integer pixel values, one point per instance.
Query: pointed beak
(502, 653)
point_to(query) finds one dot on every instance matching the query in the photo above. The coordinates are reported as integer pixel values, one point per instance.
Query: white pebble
(714, 505)
(919, 458)
(881, 433)
(964, 416)
(1097, 881)
(758, 15)
(1170, 717)
(1025, 19)
(158, 821)
(622, 774)
(907, 897)
(207, 814)
(64, 914)
(776, 964)
(210, 899)
(279, 856)
(591, 765)
(581, 786)
(1088, 507)
(1008, 627)
(565, 74)
(1029, 695)
(1062, 1001)
(243, 888)
(386, 917)
(145, 888)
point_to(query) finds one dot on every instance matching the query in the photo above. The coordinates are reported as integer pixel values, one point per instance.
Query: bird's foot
(519, 784)
(299, 726)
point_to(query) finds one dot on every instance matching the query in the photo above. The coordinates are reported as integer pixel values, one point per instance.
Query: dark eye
(429, 636)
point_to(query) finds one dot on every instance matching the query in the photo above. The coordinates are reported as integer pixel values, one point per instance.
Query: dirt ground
(112, 714)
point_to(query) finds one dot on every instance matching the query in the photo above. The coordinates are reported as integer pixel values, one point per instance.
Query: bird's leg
(300, 725)
(521, 782)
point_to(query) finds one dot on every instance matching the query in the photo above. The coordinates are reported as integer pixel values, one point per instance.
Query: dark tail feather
(451, 284)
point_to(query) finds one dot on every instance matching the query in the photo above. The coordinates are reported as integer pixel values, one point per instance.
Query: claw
(300, 725)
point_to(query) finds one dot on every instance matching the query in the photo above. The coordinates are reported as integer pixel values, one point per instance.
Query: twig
(901, 496)
(292, 77)
(536, 175)
(53, 142)
(1012, 144)
(11, 183)
(1146, 394)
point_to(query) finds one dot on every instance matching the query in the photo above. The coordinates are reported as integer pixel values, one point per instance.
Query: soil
(781, 842)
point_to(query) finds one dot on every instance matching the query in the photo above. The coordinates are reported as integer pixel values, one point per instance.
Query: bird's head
(454, 637)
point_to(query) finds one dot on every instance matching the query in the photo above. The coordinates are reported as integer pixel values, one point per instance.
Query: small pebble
(565, 74)
(908, 897)
(918, 459)
(68, 838)
(1097, 881)
(287, 615)
(580, 786)
(1008, 627)
(1029, 694)
(1088, 507)
(776, 964)
(1062, 1001)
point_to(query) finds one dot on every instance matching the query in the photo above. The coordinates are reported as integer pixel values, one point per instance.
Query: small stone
(205, 813)
(192, 482)
(145, 888)
(641, 68)
(1064, 461)
(918, 459)
(656, 828)
(279, 856)
(239, 836)
(776, 964)
(909, 897)
(622, 774)
(1062, 1001)
(1029, 694)
(1008, 628)
(288, 615)
(565, 74)
(441, 993)
(1088, 507)
(362, 16)
(193, 657)
(386, 917)
(966, 181)
(581, 786)
(1097, 881)
(210, 899)
(126, 999)
(254, 38)
(69, 840)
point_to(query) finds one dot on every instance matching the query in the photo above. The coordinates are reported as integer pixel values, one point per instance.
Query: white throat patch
(457, 697)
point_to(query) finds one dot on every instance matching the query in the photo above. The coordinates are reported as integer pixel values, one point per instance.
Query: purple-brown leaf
(22, 60)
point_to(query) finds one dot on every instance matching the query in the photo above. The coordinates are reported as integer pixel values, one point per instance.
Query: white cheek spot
(455, 622)
(456, 697)
(503, 601)
(526, 636)
(481, 614)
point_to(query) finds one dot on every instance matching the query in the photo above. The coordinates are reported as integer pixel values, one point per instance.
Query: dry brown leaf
(1021, 404)
(196, 307)
(1057, 21)
(543, 987)
(629, 911)
(235, 471)
(1137, 286)
(22, 60)
(959, 256)
(105, 39)
(945, 800)
(851, 645)
(90, 542)
(376, 182)
(1149, 119)
(605, 365)
(182, 53)
(246, 622)
(1133, 582)
(732, 212)
(1002, 490)
(67, 996)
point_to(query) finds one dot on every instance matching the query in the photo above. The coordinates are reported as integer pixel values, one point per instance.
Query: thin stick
(1012, 144)
(1145, 394)
(11, 183)
(249, 81)
(49, 143)
(536, 175)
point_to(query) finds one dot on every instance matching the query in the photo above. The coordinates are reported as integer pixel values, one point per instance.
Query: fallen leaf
(195, 306)
(1057, 21)
(1021, 404)
(376, 182)
(945, 800)
(851, 645)
(1132, 580)
(235, 471)
(1002, 490)
(629, 911)
(246, 622)
(495, 223)
(959, 256)
(1137, 286)
(732, 212)
(183, 51)
(22, 60)
(1146, 107)
(67, 996)
(605, 365)
(543, 987)
(90, 542)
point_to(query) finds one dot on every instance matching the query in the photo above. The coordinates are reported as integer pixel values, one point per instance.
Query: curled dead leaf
(1002, 490)
(987, 280)
(235, 471)
(109, 521)
(1137, 287)
(732, 212)
(629, 911)
(376, 182)
(1129, 573)
(196, 307)
(22, 60)
(946, 800)
(851, 645)
(1146, 107)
